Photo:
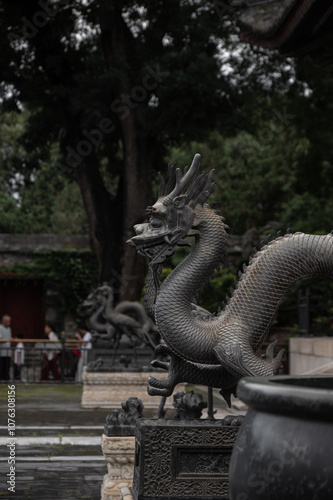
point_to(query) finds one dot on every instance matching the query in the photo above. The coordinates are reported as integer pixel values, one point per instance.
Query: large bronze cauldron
(284, 449)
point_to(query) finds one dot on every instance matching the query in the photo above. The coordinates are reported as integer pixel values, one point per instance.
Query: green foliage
(259, 184)
(166, 271)
(68, 277)
(11, 219)
(162, 72)
(53, 204)
(257, 179)
(63, 78)
(44, 207)
(66, 78)
(215, 293)
(69, 216)
(13, 155)
(35, 197)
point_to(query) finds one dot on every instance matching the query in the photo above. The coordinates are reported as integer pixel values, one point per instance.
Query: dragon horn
(183, 181)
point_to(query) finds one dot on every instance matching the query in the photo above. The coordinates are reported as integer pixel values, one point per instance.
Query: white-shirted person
(86, 343)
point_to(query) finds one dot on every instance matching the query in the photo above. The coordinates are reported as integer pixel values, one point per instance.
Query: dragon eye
(155, 223)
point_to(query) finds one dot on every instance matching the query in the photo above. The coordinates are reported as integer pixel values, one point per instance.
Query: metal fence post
(62, 367)
(304, 312)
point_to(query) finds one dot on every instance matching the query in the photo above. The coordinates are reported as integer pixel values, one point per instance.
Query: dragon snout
(139, 229)
(85, 305)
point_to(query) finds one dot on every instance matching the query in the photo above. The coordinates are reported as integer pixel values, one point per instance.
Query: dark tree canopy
(114, 83)
(96, 76)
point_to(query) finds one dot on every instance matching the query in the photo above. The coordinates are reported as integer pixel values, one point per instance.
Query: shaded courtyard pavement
(58, 452)
(57, 448)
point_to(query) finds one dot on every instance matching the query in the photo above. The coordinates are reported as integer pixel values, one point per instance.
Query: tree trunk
(137, 196)
(103, 210)
(110, 219)
(136, 180)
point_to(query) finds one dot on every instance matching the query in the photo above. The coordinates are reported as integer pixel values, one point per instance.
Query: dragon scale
(256, 299)
(203, 348)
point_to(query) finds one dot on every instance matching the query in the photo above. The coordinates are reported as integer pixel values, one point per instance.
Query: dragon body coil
(218, 349)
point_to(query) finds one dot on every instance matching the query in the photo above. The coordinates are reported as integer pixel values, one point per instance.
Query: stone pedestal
(119, 456)
(125, 494)
(311, 355)
(182, 459)
(109, 389)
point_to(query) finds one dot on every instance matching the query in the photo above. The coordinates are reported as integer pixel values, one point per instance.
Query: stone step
(54, 430)
(47, 440)
(59, 415)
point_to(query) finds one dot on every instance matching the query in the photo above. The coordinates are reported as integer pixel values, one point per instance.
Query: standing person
(5, 347)
(51, 355)
(18, 358)
(86, 343)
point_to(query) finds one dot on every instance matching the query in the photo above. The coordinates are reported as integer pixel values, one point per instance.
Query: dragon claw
(162, 349)
(153, 391)
(156, 363)
(226, 393)
(160, 387)
(158, 384)
(165, 387)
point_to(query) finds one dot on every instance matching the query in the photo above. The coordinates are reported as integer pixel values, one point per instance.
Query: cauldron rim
(308, 396)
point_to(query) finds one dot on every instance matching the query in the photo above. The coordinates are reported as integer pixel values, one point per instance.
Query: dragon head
(172, 217)
(96, 298)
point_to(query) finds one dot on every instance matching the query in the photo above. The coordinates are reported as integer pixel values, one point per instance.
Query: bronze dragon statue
(217, 350)
(109, 323)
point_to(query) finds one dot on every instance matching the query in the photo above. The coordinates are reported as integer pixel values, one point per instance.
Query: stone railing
(311, 355)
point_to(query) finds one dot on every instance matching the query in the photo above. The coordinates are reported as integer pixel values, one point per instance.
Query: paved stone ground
(57, 450)
(71, 473)
(47, 417)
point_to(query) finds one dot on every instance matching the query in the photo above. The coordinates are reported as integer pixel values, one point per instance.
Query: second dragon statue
(204, 348)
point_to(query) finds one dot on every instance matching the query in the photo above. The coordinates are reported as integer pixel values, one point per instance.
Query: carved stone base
(183, 459)
(109, 389)
(119, 456)
(125, 494)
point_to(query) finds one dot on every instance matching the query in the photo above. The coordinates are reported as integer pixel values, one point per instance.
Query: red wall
(23, 301)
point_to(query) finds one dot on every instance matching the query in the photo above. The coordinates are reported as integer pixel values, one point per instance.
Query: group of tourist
(50, 351)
